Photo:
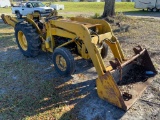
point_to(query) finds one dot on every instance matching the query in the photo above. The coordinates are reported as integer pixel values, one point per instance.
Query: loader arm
(80, 26)
(9, 20)
(109, 76)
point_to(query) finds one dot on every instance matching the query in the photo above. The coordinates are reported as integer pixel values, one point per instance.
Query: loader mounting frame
(88, 36)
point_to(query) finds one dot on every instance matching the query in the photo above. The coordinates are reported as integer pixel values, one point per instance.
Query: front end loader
(120, 83)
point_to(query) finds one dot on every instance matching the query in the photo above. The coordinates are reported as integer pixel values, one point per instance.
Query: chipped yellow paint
(108, 90)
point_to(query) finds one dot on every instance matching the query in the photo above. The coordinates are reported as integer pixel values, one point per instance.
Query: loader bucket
(125, 83)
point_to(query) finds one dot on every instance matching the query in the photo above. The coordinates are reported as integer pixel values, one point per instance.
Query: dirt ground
(31, 89)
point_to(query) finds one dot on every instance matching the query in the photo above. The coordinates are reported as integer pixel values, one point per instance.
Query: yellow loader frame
(77, 29)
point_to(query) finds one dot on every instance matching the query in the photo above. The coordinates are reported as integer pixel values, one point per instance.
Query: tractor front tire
(28, 39)
(104, 51)
(63, 61)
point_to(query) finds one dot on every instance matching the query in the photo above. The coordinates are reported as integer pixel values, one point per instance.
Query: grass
(89, 8)
(5, 10)
(93, 7)
(23, 92)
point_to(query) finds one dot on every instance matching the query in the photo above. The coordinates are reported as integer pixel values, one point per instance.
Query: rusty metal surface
(141, 54)
(137, 91)
(126, 96)
(137, 49)
(115, 64)
(133, 80)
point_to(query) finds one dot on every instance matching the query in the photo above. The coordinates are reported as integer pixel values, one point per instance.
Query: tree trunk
(109, 8)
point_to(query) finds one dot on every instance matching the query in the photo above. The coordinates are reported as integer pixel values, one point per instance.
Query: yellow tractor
(90, 39)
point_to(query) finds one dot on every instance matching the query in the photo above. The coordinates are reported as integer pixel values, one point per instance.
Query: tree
(109, 8)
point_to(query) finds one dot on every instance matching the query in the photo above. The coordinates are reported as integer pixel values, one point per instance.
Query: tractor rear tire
(63, 61)
(104, 51)
(28, 39)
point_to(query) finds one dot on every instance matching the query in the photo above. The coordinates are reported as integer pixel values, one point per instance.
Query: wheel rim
(61, 63)
(22, 40)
